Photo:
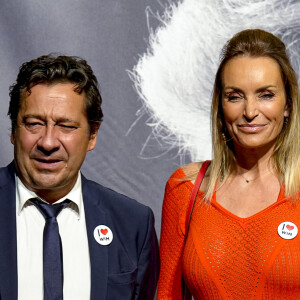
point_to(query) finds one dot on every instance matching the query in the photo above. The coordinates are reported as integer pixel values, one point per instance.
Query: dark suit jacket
(126, 269)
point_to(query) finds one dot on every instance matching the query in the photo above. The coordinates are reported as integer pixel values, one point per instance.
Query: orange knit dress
(227, 257)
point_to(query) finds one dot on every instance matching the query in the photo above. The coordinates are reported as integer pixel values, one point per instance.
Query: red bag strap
(194, 193)
(186, 293)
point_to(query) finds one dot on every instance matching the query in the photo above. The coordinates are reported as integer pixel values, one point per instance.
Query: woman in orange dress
(243, 240)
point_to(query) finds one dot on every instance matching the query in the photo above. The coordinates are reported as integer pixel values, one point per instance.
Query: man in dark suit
(63, 236)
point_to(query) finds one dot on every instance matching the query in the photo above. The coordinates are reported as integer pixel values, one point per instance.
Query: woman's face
(253, 101)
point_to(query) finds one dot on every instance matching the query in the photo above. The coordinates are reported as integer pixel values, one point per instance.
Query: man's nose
(48, 141)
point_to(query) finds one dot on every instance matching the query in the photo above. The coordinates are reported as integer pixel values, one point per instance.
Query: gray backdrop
(109, 34)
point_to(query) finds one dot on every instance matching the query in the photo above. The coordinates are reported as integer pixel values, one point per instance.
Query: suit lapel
(8, 235)
(98, 254)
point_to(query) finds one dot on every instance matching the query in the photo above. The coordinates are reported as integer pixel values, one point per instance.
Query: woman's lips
(251, 128)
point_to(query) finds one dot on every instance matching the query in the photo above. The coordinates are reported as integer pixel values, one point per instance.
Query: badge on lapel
(103, 235)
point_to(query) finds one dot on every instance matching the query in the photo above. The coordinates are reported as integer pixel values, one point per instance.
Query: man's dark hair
(50, 69)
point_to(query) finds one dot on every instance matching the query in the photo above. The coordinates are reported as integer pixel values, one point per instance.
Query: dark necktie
(52, 250)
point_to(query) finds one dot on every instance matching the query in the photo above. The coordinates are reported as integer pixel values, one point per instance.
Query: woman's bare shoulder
(192, 167)
(191, 171)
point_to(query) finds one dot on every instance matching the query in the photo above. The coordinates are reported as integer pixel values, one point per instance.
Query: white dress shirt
(72, 229)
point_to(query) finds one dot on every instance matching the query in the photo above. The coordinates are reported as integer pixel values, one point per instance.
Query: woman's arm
(172, 236)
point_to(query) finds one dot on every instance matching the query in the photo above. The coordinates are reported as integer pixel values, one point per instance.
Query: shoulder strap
(194, 193)
(186, 294)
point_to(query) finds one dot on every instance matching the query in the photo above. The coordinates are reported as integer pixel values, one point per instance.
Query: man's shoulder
(112, 200)
(7, 174)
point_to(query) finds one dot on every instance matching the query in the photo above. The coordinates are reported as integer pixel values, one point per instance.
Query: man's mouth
(47, 163)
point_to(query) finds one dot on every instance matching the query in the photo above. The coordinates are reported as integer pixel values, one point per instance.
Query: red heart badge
(289, 227)
(104, 231)
(103, 235)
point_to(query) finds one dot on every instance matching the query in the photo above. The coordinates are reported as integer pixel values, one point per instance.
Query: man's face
(51, 139)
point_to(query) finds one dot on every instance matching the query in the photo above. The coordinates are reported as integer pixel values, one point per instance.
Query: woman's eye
(267, 95)
(233, 96)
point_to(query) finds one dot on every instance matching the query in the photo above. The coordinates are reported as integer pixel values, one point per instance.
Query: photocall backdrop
(155, 61)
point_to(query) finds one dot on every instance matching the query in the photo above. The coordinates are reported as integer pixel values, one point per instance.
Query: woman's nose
(250, 109)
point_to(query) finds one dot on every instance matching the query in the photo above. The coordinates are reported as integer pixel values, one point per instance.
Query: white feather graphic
(175, 77)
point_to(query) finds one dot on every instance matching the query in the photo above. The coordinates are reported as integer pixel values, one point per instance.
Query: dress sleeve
(172, 236)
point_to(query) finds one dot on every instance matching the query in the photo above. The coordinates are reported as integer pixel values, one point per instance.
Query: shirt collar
(24, 195)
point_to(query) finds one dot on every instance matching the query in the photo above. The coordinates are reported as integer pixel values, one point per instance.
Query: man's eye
(68, 127)
(33, 125)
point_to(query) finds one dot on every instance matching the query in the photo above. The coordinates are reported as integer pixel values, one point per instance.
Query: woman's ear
(286, 112)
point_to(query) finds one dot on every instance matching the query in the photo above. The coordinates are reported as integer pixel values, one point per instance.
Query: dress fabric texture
(225, 256)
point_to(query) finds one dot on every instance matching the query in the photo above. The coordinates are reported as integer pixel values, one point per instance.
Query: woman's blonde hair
(286, 156)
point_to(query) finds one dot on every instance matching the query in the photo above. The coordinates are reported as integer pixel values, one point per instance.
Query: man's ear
(12, 138)
(92, 141)
(93, 137)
